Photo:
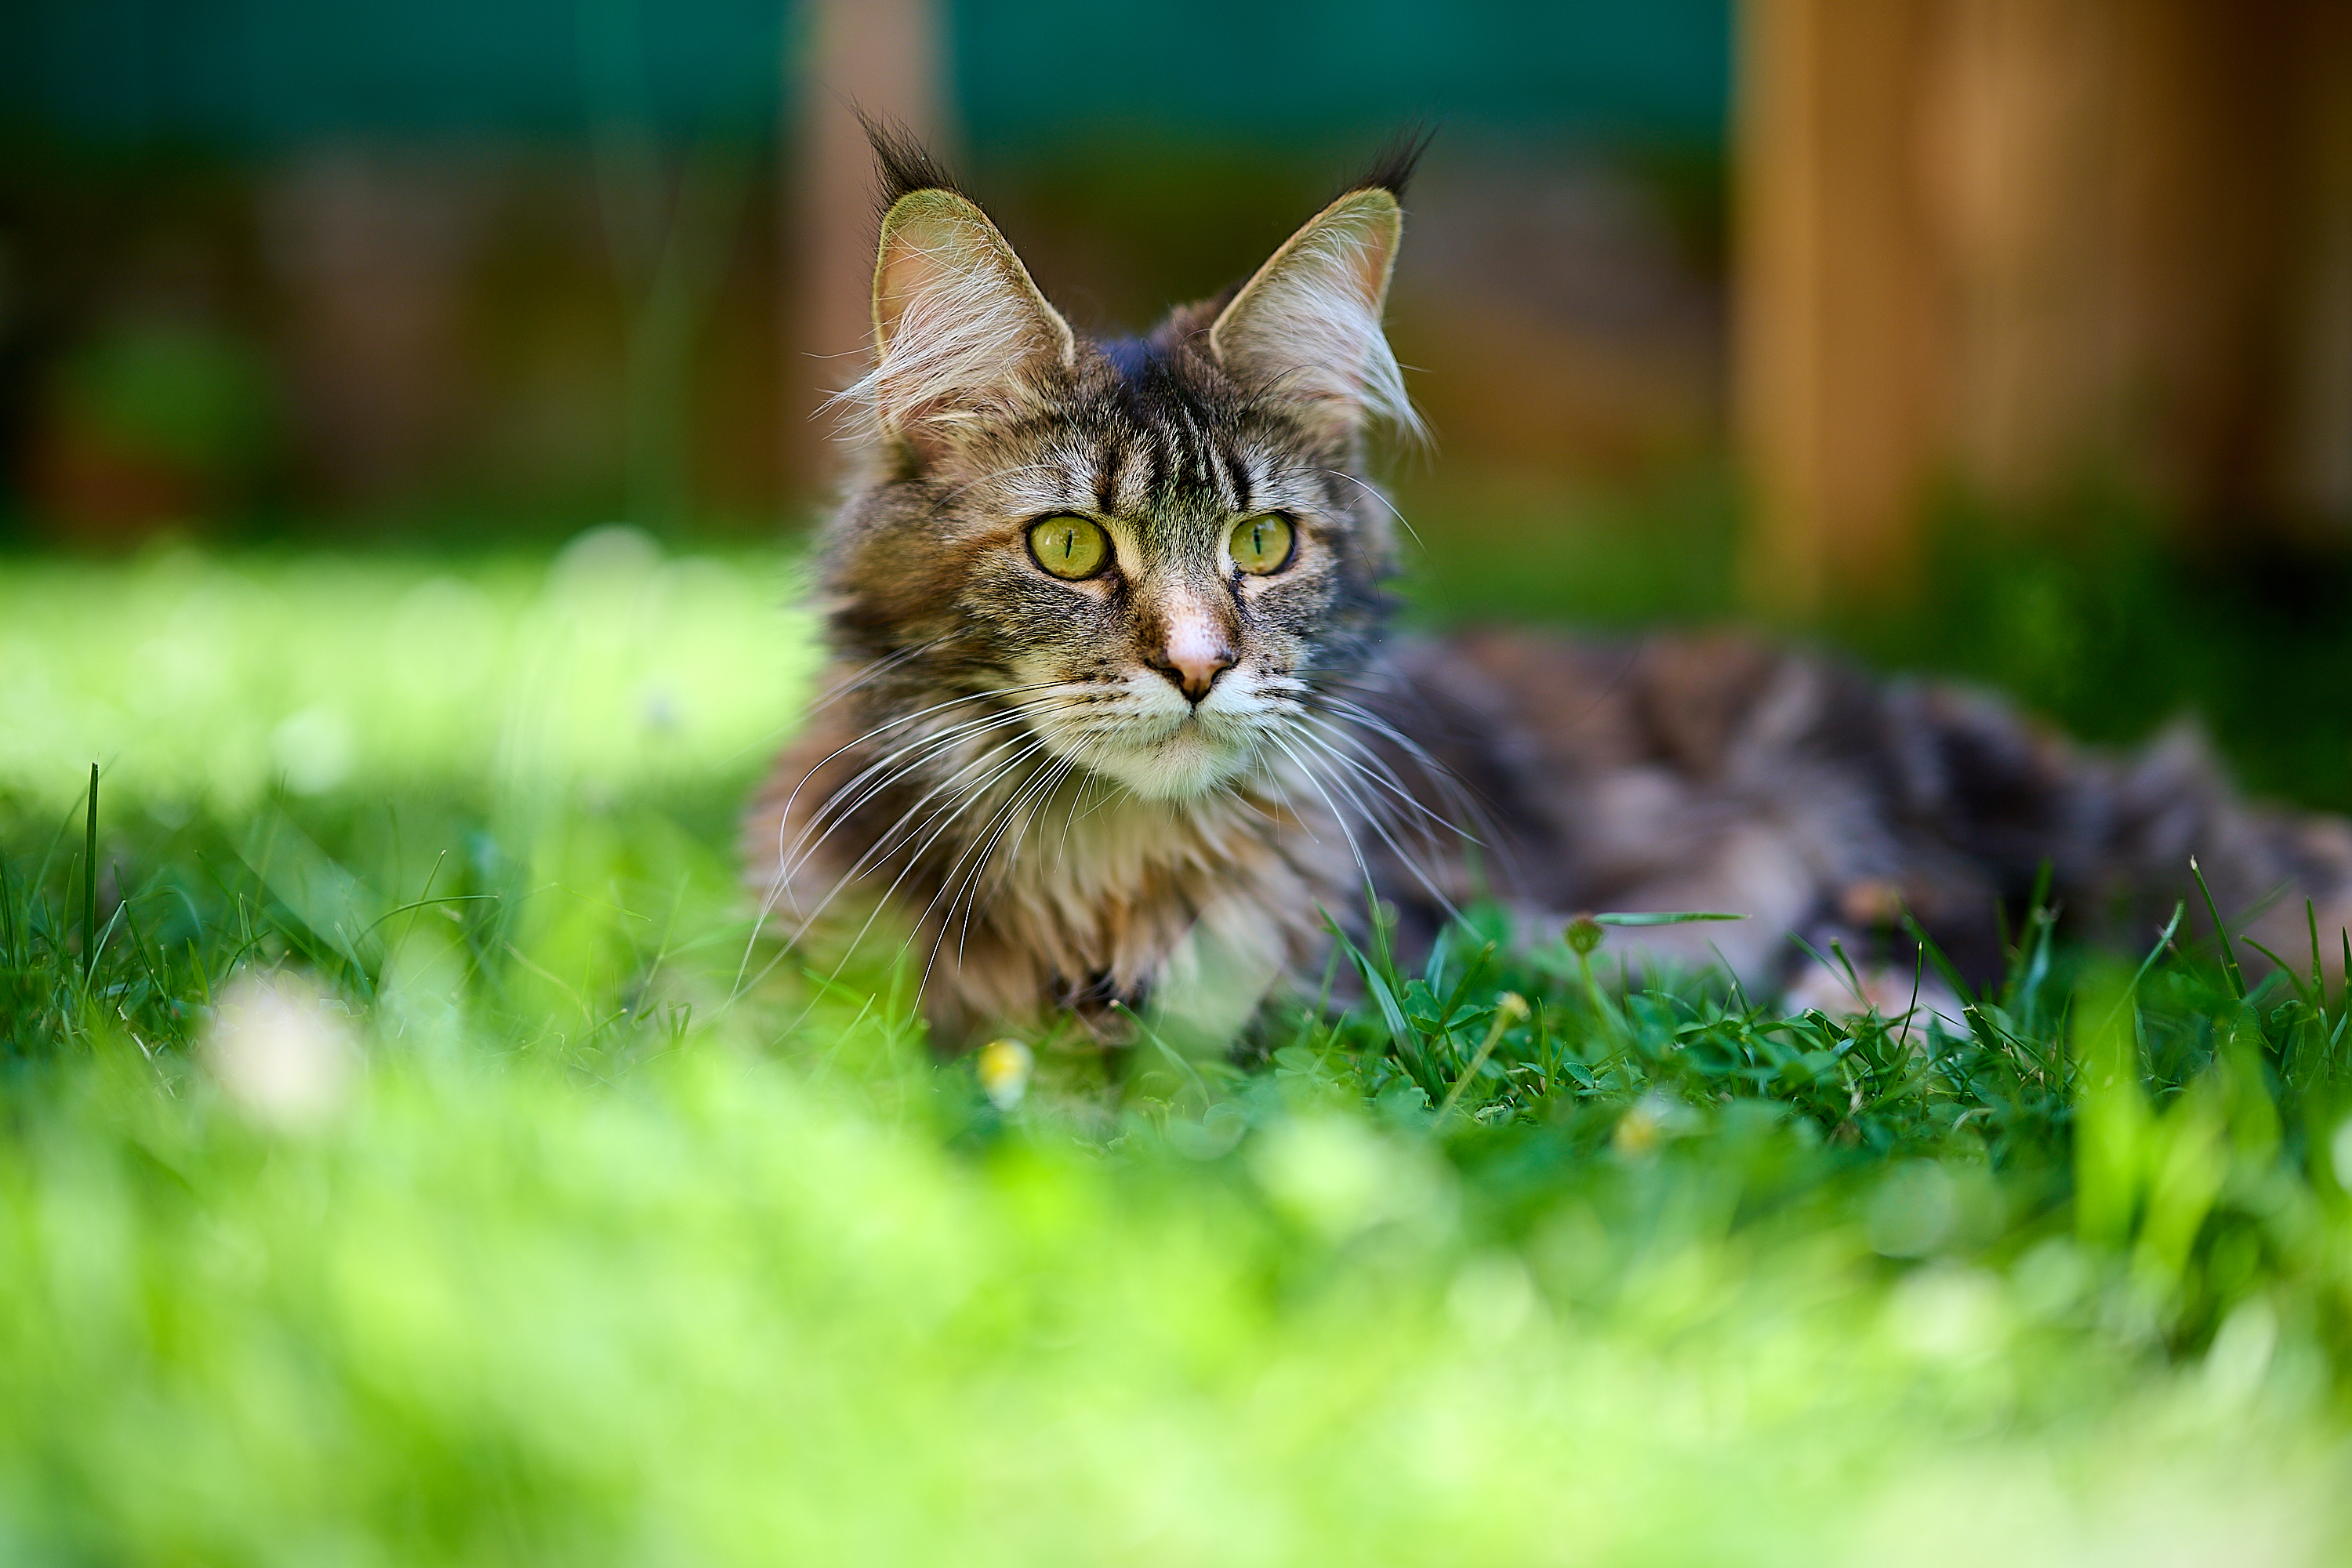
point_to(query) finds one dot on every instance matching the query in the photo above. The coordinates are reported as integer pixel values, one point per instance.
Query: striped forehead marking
(1152, 445)
(1136, 471)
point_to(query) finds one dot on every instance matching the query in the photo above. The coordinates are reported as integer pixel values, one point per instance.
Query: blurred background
(2010, 336)
(340, 269)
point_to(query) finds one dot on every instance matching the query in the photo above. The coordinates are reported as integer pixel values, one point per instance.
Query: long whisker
(1036, 789)
(1457, 796)
(1274, 781)
(742, 985)
(878, 776)
(790, 857)
(784, 815)
(897, 834)
(1369, 720)
(971, 796)
(1338, 817)
(1378, 824)
(976, 852)
(1373, 813)
(1376, 809)
(1379, 773)
(880, 768)
(1078, 808)
(1374, 491)
(1032, 795)
(870, 672)
(1069, 766)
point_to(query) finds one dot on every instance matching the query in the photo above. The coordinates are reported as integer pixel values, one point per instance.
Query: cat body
(1115, 718)
(1720, 773)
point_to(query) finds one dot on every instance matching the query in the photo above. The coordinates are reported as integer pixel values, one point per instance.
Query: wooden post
(2020, 171)
(2316, 475)
(887, 59)
(1833, 299)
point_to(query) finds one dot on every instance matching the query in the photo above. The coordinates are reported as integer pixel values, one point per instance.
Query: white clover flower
(283, 1049)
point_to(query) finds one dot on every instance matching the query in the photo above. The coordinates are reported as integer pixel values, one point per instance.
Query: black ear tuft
(902, 166)
(1393, 167)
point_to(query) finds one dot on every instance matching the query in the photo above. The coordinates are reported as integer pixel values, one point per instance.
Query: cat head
(1160, 550)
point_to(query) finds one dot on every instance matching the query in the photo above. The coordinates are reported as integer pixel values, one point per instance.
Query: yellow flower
(1003, 1069)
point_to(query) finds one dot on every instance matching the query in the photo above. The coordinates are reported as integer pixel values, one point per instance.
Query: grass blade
(1407, 1043)
(2163, 940)
(1922, 942)
(1660, 916)
(2230, 969)
(90, 884)
(8, 944)
(2294, 982)
(2319, 974)
(1510, 1008)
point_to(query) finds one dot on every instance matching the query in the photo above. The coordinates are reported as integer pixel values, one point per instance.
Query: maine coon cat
(1114, 717)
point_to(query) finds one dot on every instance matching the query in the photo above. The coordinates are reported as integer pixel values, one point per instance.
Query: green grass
(594, 1233)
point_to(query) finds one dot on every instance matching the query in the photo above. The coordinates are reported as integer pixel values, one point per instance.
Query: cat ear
(1307, 328)
(958, 323)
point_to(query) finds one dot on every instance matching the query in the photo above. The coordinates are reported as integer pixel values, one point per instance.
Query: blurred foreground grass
(429, 1167)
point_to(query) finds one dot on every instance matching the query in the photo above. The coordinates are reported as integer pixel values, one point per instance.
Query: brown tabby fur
(1011, 767)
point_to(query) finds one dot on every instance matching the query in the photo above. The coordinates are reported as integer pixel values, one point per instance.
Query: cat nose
(1192, 664)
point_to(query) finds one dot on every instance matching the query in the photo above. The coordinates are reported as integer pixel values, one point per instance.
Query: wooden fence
(2024, 247)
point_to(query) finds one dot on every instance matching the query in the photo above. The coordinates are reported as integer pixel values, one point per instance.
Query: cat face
(1151, 556)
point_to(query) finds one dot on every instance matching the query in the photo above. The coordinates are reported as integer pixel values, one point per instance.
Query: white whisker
(1380, 825)
(1374, 491)
(1377, 771)
(971, 793)
(914, 859)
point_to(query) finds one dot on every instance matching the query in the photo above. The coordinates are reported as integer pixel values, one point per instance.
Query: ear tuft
(1306, 329)
(1392, 165)
(902, 164)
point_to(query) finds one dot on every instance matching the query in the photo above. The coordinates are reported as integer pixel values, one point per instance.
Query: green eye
(1261, 544)
(1069, 547)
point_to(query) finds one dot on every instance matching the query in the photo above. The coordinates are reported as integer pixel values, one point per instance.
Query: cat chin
(1185, 765)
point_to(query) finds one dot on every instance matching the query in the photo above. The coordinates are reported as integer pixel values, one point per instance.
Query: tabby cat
(1114, 716)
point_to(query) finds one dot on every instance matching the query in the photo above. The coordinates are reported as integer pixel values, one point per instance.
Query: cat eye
(1261, 544)
(1069, 547)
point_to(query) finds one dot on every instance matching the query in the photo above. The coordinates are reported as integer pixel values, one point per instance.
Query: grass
(420, 1162)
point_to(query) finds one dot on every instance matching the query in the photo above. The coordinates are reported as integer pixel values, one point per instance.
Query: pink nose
(1191, 666)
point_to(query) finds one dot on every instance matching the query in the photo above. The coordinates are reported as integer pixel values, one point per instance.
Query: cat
(1114, 719)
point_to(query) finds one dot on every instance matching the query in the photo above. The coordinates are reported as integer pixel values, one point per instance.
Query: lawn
(428, 1162)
